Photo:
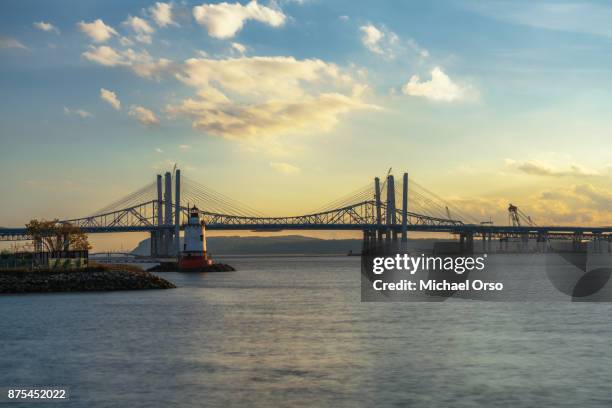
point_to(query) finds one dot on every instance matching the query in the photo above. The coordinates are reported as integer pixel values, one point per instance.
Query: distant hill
(285, 244)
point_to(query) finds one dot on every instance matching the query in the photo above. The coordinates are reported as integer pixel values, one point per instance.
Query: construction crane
(516, 217)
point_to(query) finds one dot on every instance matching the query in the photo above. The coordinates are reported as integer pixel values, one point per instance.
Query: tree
(56, 236)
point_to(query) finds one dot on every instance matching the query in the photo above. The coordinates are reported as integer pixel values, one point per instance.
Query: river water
(291, 331)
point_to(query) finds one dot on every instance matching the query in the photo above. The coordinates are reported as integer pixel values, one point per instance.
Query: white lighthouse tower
(193, 255)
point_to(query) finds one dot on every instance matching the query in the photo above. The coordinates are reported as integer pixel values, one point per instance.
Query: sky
(286, 105)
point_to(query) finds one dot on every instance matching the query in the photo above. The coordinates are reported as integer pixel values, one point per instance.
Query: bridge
(160, 208)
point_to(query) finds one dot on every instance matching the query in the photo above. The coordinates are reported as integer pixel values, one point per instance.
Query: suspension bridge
(381, 211)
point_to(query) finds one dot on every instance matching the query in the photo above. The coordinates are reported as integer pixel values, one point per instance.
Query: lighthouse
(193, 254)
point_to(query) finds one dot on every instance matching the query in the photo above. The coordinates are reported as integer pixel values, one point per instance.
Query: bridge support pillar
(405, 212)
(577, 241)
(379, 231)
(369, 241)
(167, 232)
(597, 242)
(466, 242)
(391, 215)
(177, 212)
(154, 244)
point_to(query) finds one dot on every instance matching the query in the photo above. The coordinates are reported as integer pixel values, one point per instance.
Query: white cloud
(248, 97)
(141, 28)
(104, 55)
(97, 30)
(413, 45)
(240, 98)
(574, 17)
(140, 62)
(439, 88)
(78, 112)
(145, 116)
(162, 14)
(41, 25)
(158, 150)
(536, 168)
(224, 20)
(344, 17)
(386, 43)
(7, 42)
(371, 38)
(284, 168)
(260, 76)
(184, 147)
(111, 98)
(126, 42)
(239, 47)
(268, 118)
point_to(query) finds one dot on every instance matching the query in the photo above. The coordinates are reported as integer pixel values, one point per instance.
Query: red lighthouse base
(192, 262)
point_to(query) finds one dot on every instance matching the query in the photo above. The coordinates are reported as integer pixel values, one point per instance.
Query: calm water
(293, 332)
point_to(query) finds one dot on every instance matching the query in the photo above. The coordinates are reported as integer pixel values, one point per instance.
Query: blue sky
(484, 102)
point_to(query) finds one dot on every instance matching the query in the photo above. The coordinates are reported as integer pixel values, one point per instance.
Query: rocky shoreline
(94, 278)
(173, 267)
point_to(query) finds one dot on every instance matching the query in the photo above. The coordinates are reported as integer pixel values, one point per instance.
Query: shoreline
(173, 267)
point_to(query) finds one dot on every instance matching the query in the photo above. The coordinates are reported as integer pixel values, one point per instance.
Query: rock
(96, 278)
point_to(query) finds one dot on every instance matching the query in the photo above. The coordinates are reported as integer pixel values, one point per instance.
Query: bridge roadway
(20, 234)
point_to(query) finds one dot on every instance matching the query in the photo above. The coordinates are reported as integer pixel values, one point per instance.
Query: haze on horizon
(287, 105)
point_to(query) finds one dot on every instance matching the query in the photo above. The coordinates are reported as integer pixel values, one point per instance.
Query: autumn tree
(56, 236)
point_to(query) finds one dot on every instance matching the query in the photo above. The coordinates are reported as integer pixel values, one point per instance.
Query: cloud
(111, 98)
(439, 88)
(577, 204)
(239, 47)
(386, 43)
(599, 198)
(7, 42)
(250, 97)
(574, 17)
(104, 55)
(162, 14)
(184, 147)
(126, 42)
(240, 98)
(140, 62)
(41, 25)
(141, 29)
(78, 112)
(371, 38)
(534, 168)
(145, 116)
(224, 20)
(158, 150)
(97, 30)
(260, 76)
(271, 118)
(284, 168)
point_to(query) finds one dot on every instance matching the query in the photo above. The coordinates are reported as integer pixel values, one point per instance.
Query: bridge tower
(379, 232)
(157, 237)
(391, 216)
(177, 212)
(168, 233)
(405, 212)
